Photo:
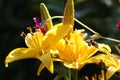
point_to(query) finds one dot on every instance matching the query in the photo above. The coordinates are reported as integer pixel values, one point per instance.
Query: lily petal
(54, 35)
(34, 40)
(104, 48)
(110, 71)
(105, 58)
(47, 61)
(40, 69)
(89, 51)
(45, 15)
(60, 30)
(111, 62)
(20, 53)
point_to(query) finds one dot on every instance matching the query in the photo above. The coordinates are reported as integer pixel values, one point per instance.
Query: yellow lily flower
(73, 50)
(44, 38)
(61, 29)
(112, 63)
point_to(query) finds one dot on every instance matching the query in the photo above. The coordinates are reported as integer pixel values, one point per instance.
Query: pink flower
(38, 25)
(118, 25)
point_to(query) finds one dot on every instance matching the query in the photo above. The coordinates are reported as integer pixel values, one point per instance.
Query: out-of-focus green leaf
(79, 1)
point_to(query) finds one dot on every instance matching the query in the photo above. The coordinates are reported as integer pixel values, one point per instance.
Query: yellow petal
(74, 65)
(104, 48)
(54, 35)
(40, 68)
(69, 13)
(47, 61)
(110, 62)
(107, 59)
(60, 45)
(86, 51)
(20, 53)
(34, 40)
(45, 15)
(60, 30)
(110, 71)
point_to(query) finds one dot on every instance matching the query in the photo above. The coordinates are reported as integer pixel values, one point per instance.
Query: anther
(118, 48)
(30, 29)
(23, 35)
(91, 42)
(86, 78)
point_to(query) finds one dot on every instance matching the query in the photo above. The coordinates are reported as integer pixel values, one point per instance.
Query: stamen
(86, 78)
(117, 48)
(95, 76)
(30, 29)
(23, 35)
(91, 42)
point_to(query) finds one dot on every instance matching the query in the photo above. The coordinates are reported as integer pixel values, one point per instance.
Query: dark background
(16, 15)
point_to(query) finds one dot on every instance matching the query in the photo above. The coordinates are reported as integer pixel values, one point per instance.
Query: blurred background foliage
(16, 15)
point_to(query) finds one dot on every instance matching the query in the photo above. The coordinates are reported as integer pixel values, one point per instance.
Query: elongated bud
(69, 13)
(45, 15)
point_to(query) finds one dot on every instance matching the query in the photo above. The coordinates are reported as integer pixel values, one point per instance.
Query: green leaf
(58, 77)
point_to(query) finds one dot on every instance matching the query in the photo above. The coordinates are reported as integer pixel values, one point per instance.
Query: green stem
(88, 28)
(79, 22)
(76, 75)
(85, 26)
(111, 39)
(64, 72)
(69, 74)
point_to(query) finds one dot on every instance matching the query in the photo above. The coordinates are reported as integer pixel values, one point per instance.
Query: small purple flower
(36, 21)
(118, 25)
(38, 25)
